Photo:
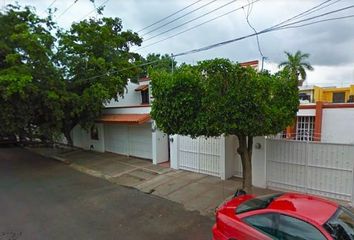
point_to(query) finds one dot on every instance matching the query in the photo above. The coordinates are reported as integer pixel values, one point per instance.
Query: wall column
(318, 121)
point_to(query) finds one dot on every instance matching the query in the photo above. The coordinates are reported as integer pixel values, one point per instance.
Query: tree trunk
(245, 151)
(67, 134)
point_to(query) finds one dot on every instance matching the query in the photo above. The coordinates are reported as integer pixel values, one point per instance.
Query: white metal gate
(135, 140)
(312, 167)
(200, 155)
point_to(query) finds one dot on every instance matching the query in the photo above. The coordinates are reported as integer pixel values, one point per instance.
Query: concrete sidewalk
(194, 191)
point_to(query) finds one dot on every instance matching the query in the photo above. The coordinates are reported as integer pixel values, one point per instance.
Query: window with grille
(305, 127)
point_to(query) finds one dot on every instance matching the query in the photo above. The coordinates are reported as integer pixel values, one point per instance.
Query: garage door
(129, 140)
(202, 155)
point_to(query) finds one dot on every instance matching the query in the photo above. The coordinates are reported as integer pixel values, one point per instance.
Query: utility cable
(190, 12)
(273, 28)
(196, 26)
(153, 24)
(93, 10)
(249, 10)
(67, 9)
(192, 20)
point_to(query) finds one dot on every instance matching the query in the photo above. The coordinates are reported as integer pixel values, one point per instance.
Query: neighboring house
(313, 94)
(126, 128)
(326, 114)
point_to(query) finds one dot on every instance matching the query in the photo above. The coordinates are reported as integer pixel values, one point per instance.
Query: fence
(319, 168)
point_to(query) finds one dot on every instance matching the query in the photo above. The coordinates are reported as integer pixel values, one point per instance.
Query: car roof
(305, 206)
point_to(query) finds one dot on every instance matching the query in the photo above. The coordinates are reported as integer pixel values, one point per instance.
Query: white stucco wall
(306, 112)
(131, 97)
(82, 138)
(259, 177)
(135, 110)
(338, 125)
(159, 147)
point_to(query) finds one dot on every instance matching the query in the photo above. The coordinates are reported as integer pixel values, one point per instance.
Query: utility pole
(263, 59)
(172, 60)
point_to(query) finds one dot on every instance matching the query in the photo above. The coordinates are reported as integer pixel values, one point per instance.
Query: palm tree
(297, 66)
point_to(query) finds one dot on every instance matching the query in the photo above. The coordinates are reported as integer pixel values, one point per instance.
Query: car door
(283, 227)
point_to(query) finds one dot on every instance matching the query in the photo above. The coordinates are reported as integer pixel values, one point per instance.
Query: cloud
(330, 44)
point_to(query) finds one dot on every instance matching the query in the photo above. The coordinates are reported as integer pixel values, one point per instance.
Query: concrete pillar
(174, 141)
(259, 166)
(159, 147)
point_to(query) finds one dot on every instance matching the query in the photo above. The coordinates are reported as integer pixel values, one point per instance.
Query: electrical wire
(153, 24)
(93, 10)
(67, 9)
(123, 69)
(192, 20)
(249, 10)
(273, 28)
(196, 26)
(190, 12)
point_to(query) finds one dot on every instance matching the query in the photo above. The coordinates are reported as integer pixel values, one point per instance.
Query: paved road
(44, 199)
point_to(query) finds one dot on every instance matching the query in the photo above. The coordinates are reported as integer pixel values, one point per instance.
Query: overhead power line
(153, 24)
(190, 12)
(196, 26)
(273, 28)
(192, 20)
(67, 9)
(51, 3)
(102, 4)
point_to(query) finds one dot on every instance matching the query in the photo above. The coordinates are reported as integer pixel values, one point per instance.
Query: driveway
(44, 199)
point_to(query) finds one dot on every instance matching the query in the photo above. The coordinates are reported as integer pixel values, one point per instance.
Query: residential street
(44, 199)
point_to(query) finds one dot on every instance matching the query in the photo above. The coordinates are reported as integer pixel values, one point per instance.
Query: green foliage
(154, 62)
(296, 65)
(95, 62)
(27, 74)
(219, 97)
(48, 83)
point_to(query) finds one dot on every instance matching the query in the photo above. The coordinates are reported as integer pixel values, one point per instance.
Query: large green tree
(296, 65)
(218, 97)
(95, 61)
(154, 61)
(29, 90)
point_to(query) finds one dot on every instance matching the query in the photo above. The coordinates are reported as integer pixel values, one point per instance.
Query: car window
(295, 229)
(256, 203)
(266, 223)
(341, 225)
(282, 227)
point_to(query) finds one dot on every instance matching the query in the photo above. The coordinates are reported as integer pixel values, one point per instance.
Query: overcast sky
(330, 44)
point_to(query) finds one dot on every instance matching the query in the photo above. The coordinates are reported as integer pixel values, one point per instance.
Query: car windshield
(256, 203)
(341, 225)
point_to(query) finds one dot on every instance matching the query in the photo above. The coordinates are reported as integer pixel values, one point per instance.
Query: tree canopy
(49, 83)
(29, 89)
(297, 66)
(218, 97)
(95, 63)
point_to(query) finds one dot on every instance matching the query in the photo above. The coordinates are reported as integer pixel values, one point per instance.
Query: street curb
(60, 159)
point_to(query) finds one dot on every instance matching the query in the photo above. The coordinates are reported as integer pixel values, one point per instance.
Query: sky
(330, 44)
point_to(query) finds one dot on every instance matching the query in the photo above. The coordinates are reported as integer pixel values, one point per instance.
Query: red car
(283, 216)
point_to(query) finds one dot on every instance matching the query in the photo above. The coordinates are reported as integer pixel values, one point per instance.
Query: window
(282, 227)
(305, 128)
(256, 203)
(94, 133)
(338, 97)
(266, 223)
(145, 97)
(292, 228)
(341, 225)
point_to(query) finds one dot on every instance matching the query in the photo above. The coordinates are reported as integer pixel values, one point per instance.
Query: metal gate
(319, 168)
(202, 155)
